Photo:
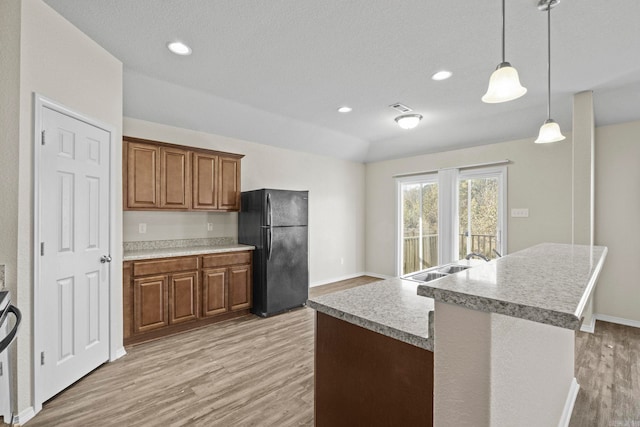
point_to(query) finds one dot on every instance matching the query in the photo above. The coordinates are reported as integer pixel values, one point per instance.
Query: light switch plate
(142, 228)
(520, 213)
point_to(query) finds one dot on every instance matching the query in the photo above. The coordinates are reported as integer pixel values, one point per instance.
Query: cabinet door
(240, 287)
(229, 191)
(143, 183)
(214, 291)
(205, 177)
(150, 303)
(175, 180)
(183, 297)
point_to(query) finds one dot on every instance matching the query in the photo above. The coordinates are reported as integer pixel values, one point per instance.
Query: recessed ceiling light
(179, 48)
(345, 109)
(442, 75)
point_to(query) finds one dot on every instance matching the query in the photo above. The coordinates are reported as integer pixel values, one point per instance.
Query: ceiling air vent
(400, 107)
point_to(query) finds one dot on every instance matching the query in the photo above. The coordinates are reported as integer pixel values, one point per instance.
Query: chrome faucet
(475, 254)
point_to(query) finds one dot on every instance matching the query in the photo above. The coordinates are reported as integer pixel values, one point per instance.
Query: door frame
(116, 349)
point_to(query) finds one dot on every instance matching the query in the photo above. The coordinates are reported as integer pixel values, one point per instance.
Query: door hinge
(41, 248)
(42, 358)
(42, 138)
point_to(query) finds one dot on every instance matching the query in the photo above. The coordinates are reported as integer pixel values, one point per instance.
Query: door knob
(105, 258)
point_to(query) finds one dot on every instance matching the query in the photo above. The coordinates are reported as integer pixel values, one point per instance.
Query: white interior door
(74, 260)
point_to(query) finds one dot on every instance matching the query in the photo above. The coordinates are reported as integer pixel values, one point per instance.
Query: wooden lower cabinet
(150, 303)
(214, 291)
(168, 295)
(240, 287)
(183, 297)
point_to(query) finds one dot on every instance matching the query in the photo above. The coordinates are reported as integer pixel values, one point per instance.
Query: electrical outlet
(341, 261)
(142, 228)
(209, 226)
(520, 213)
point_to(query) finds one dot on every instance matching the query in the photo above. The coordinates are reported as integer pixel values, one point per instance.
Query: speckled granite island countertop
(171, 248)
(390, 307)
(548, 283)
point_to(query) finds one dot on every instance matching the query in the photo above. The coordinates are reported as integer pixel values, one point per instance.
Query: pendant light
(550, 130)
(504, 83)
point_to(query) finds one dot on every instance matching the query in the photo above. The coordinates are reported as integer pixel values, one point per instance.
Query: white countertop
(548, 283)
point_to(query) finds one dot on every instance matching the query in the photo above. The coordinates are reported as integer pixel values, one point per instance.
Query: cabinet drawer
(232, 258)
(165, 265)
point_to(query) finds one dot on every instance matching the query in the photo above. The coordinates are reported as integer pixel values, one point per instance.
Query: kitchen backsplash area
(153, 226)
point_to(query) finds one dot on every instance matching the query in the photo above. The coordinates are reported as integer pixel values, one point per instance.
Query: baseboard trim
(618, 320)
(119, 353)
(589, 327)
(347, 277)
(569, 403)
(24, 416)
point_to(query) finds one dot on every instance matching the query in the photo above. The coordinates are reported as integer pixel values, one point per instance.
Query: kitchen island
(502, 333)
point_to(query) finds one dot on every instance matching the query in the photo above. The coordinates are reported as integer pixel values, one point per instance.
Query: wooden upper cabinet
(142, 173)
(175, 179)
(170, 177)
(205, 181)
(229, 184)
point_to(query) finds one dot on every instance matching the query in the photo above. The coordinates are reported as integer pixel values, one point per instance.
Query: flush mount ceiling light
(345, 109)
(504, 83)
(441, 75)
(179, 48)
(550, 130)
(408, 121)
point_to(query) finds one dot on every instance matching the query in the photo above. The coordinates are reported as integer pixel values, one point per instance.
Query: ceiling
(274, 72)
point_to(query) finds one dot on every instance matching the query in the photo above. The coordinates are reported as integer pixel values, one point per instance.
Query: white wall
(336, 197)
(617, 219)
(539, 178)
(58, 61)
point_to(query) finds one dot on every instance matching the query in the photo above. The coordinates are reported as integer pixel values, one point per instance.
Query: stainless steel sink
(435, 273)
(427, 276)
(451, 269)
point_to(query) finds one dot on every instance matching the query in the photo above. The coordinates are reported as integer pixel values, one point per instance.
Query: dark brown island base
(365, 378)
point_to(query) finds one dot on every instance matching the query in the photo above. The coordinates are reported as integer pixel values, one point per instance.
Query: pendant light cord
(503, 32)
(548, 60)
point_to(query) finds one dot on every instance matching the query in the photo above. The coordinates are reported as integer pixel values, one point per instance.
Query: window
(419, 219)
(479, 214)
(446, 215)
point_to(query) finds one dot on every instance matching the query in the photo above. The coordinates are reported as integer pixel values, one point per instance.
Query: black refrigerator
(275, 222)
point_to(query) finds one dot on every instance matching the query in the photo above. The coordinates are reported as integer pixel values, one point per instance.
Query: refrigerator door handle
(270, 213)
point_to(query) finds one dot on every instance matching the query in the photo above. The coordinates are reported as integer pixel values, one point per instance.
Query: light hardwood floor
(259, 372)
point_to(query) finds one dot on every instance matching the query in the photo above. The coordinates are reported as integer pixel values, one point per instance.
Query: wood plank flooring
(259, 372)
(608, 371)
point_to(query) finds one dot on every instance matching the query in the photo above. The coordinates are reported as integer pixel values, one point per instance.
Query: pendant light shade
(550, 130)
(504, 83)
